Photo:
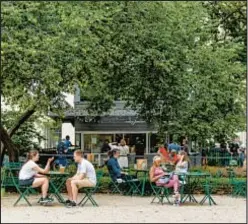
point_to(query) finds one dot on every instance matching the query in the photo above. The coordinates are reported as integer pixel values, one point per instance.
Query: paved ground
(114, 209)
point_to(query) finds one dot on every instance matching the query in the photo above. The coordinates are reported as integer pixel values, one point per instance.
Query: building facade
(90, 131)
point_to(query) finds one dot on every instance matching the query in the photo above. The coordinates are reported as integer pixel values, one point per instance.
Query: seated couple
(116, 174)
(167, 180)
(32, 174)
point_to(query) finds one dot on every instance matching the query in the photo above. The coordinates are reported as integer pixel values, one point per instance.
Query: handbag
(166, 180)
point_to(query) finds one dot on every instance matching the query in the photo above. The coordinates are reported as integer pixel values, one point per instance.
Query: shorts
(27, 182)
(84, 183)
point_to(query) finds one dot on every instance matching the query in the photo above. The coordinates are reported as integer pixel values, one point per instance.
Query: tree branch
(21, 120)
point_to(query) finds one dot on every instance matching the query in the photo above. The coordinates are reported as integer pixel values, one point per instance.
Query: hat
(156, 158)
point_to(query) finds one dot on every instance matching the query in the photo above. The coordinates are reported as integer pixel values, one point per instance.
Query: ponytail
(31, 154)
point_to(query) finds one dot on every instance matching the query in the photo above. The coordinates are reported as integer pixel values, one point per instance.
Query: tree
(230, 24)
(27, 136)
(168, 65)
(155, 55)
(43, 52)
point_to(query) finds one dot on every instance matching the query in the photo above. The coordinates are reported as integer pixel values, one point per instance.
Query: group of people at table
(32, 174)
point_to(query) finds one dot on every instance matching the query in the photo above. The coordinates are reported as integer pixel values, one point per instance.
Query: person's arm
(81, 173)
(70, 144)
(183, 164)
(111, 145)
(152, 177)
(180, 161)
(39, 175)
(159, 153)
(47, 168)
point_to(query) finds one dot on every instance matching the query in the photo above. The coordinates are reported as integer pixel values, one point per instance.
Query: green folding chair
(133, 184)
(209, 186)
(160, 193)
(238, 186)
(12, 180)
(116, 187)
(89, 191)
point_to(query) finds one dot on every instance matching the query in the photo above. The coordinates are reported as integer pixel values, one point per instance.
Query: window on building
(133, 139)
(154, 141)
(53, 136)
(78, 139)
(94, 142)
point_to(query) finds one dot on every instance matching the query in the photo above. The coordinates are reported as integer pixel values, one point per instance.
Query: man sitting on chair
(85, 177)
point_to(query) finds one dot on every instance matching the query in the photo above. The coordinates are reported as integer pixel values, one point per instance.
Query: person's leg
(77, 184)
(69, 188)
(174, 182)
(44, 183)
(74, 190)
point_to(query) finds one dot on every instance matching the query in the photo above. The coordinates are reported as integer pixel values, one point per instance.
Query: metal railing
(195, 160)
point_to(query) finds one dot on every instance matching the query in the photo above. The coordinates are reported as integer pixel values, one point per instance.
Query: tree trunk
(2, 153)
(6, 142)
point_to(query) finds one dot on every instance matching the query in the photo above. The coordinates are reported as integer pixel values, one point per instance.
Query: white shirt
(183, 167)
(85, 167)
(124, 150)
(27, 171)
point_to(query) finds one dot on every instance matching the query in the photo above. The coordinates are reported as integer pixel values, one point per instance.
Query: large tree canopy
(166, 59)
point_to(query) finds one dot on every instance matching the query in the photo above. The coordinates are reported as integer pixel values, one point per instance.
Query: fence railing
(195, 160)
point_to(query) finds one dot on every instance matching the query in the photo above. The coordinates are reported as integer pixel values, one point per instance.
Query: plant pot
(2, 192)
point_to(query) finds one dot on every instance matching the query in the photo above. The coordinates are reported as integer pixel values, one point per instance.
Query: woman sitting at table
(182, 166)
(29, 174)
(114, 168)
(158, 176)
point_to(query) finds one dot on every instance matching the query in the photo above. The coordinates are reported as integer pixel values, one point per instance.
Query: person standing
(174, 146)
(124, 151)
(67, 143)
(174, 157)
(241, 157)
(85, 177)
(105, 147)
(163, 153)
(139, 149)
(61, 150)
(184, 146)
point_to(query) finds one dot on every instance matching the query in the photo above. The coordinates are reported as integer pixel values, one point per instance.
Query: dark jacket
(114, 168)
(105, 148)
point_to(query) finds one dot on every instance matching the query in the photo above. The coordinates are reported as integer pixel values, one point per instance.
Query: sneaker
(67, 201)
(44, 200)
(176, 203)
(71, 204)
(49, 199)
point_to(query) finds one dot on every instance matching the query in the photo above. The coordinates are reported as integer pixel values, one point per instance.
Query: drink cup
(61, 169)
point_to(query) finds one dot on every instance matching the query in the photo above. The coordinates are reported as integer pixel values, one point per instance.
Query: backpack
(61, 147)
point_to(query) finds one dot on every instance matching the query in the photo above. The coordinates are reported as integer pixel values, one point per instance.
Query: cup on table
(61, 169)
